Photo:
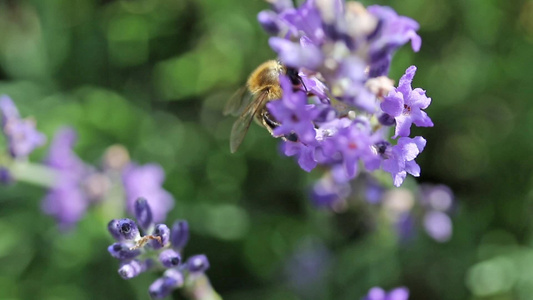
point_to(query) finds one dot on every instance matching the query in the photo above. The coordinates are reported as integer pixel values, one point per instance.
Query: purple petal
(399, 178)
(269, 21)
(296, 56)
(423, 120)
(419, 98)
(375, 293)
(403, 126)
(412, 168)
(420, 142)
(393, 104)
(401, 293)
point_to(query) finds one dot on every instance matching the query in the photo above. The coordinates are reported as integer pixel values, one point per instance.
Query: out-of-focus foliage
(153, 75)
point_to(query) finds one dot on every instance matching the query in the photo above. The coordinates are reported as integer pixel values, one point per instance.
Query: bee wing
(236, 103)
(241, 126)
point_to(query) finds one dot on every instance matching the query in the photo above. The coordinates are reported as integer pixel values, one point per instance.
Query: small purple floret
(162, 231)
(67, 200)
(132, 268)
(179, 235)
(402, 158)
(122, 251)
(22, 136)
(197, 264)
(128, 229)
(163, 286)
(143, 213)
(294, 114)
(406, 104)
(169, 258)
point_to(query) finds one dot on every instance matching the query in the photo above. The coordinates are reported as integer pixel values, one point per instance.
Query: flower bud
(386, 120)
(269, 22)
(126, 229)
(163, 286)
(113, 229)
(163, 232)
(179, 235)
(122, 251)
(169, 258)
(197, 264)
(143, 213)
(132, 268)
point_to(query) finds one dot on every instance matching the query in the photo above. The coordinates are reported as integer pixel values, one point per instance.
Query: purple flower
(377, 293)
(163, 286)
(353, 143)
(125, 229)
(132, 268)
(400, 159)
(348, 84)
(406, 104)
(169, 258)
(270, 22)
(66, 201)
(122, 251)
(438, 225)
(163, 233)
(305, 19)
(145, 181)
(179, 234)
(143, 213)
(436, 197)
(22, 136)
(197, 264)
(296, 55)
(392, 32)
(305, 154)
(139, 253)
(294, 114)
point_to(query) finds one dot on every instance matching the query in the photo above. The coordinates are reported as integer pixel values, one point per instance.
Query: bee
(262, 86)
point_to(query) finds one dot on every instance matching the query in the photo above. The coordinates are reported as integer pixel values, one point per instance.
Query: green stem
(35, 174)
(199, 288)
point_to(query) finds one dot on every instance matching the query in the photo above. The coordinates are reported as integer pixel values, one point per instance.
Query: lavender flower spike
(406, 104)
(22, 136)
(67, 200)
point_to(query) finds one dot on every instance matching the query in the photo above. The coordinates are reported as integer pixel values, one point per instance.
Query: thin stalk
(36, 174)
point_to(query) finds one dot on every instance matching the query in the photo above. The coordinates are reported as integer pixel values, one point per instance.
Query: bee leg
(270, 125)
(302, 81)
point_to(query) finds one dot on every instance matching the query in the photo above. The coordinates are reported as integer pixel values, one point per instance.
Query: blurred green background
(153, 75)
